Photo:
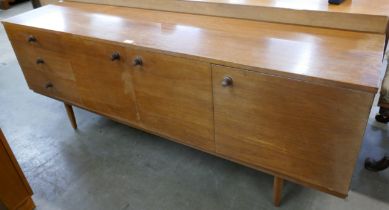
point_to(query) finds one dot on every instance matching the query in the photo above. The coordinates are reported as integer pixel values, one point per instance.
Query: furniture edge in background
(36, 3)
(19, 197)
(4, 4)
(336, 20)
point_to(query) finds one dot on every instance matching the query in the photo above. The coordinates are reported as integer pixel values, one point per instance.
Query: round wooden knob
(40, 61)
(138, 61)
(49, 85)
(115, 56)
(227, 81)
(31, 39)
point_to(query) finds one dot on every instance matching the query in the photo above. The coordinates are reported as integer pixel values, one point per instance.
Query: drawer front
(45, 54)
(28, 37)
(307, 132)
(174, 97)
(46, 67)
(45, 61)
(104, 80)
(53, 86)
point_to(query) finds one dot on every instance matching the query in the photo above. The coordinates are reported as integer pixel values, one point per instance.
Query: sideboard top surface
(325, 56)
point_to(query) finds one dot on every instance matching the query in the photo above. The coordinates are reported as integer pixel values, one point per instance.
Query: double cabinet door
(165, 94)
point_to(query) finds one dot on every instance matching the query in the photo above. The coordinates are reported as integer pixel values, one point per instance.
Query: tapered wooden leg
(277, 190)
(72, 118)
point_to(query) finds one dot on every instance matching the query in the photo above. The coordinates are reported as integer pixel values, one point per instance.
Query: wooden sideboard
(15, 192)
(292, 101)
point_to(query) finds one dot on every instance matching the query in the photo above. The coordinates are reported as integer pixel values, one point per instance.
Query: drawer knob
(138, 61)
(115, 56)
(40, 61)
(49, 85)
(227, 81)
(31, 39)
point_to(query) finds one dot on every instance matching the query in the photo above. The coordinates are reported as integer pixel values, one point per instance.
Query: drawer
(46, 66)
(27, 37)
(45, 61)
(51, 85)
(45, 54)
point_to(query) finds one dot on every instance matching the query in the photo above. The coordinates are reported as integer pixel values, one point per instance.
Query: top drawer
(30, 37)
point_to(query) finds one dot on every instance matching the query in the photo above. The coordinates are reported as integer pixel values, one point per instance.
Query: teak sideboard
(292, 101)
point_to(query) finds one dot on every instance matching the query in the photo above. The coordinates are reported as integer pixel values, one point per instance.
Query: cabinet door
(309, 133)
(174, 97)
(103, 79)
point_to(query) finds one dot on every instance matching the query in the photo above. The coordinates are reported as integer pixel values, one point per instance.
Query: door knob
(227, 81)
(138, 61)
(115, 56)
(31, 39)
(40, 61)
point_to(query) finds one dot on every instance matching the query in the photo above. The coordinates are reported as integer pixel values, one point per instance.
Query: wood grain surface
(174, 97)
(356, 15)
(295, 102)
(322, 56)
(308, 132)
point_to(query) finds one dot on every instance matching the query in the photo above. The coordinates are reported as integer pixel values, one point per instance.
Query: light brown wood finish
(321, 56)
(174, 97)
(283, 83)
(15, 192)
(182, 108)
(70, 112)
(356, 15)
(304, 131)
(277, 190)
(105, 85)
(53, 77)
